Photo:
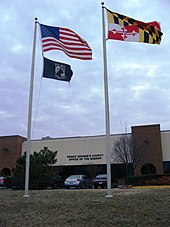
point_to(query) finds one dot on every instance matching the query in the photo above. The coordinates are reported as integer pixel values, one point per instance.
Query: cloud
(138, 73)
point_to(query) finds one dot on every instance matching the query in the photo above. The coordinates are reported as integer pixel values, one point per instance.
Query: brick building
(75, 153)
(151, 160)
(10, 150)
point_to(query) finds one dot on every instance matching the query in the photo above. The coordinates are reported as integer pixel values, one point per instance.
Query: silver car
(78, 181)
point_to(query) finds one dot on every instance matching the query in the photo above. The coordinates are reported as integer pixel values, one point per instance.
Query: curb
(152, 186)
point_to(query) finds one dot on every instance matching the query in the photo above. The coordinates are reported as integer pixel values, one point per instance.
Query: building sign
(85, 157)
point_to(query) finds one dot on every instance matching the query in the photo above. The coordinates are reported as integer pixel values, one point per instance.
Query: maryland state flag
(124, 28)
(57, 70)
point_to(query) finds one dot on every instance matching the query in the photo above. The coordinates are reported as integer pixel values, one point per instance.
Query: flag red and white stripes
(64, 39)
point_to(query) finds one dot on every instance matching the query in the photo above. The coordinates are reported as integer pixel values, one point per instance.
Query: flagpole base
(26, 196)
(109, 196)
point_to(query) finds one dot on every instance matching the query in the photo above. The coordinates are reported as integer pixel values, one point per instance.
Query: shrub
(39, 176)
(150, 179)
(168, 181)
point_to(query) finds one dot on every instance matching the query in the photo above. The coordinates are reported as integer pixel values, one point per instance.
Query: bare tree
(128, 151)
(93, 170)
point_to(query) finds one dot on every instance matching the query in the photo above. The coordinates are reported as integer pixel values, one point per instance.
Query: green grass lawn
(127, 207)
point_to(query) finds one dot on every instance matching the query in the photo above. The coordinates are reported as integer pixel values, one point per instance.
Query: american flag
(64, 39)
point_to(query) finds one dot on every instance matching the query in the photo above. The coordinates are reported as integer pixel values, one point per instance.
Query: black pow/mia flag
(57, 70)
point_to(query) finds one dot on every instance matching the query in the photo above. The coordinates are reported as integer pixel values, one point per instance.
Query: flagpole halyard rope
(36, 110)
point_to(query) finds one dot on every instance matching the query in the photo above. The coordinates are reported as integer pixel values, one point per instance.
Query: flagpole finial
(36, 19)
(102, 3)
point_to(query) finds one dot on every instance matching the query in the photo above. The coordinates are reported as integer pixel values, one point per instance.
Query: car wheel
(55, 185)
(83, 185)
(95, 186)
(90, 185)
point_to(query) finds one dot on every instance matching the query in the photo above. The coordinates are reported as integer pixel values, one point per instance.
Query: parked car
(57, 182)
(2, 182)
(100, 181)
(78, 181)
(6, 182)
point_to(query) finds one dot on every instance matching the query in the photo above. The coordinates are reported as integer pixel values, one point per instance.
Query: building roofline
(81, 137)
(138, 126)
(13, 136)
(166, 130)
(77, 137)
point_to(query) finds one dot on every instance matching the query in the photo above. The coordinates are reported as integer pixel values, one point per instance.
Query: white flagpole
(109, 191)
(30, 114)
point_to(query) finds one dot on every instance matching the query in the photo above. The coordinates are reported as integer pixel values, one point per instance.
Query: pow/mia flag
(57, 70)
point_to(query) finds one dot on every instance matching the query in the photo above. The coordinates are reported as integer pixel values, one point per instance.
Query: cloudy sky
(138, 73)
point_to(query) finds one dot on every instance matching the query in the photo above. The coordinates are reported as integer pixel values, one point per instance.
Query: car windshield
(74, 176)
(101, 176)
